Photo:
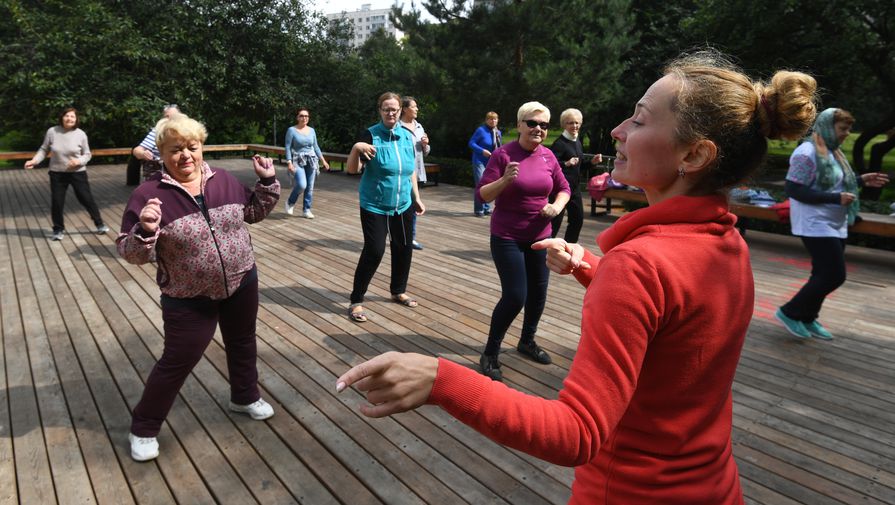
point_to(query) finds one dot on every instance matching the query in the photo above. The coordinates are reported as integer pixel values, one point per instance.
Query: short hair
(300, 108)
(491, 115)
(843, 116)
(179, 126)
(529, 108)
(170, 106)
(716, 101)
(66, 111)
(566, 114)
(388, 95)
(406, 101)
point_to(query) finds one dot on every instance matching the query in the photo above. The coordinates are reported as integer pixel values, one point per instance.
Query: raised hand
(151, 215)
(263, 166)
(511, 172)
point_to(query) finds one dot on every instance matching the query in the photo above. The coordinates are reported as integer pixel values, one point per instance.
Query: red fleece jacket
(646, 410)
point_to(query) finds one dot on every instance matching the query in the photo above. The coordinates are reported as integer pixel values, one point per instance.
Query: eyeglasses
(303, 115)
(531, 123)
(390, 111)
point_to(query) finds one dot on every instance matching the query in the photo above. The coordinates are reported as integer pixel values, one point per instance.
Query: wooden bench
(432, 169)
(870, 224)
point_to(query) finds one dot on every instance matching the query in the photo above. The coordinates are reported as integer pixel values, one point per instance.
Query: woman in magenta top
(523, 177)
(645, 413)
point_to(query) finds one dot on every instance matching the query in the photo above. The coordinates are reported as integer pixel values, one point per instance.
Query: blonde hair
(491, 115)
(179, 126)
(716, 101)
(570, 113)
(529, 108)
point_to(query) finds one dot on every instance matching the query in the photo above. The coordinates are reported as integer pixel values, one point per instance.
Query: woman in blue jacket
(389, 196)
(483, 142)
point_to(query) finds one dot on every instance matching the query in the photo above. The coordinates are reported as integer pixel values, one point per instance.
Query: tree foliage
(243, 65)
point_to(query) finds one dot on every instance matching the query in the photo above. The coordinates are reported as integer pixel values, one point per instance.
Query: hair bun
(787, 105)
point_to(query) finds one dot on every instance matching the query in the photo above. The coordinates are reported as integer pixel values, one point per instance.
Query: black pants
(576, 218)
(59, 182)
(376, 227)
(827, 274)
(523, 283)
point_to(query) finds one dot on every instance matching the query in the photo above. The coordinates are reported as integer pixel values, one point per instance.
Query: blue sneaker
(817, 330)
(797, 328)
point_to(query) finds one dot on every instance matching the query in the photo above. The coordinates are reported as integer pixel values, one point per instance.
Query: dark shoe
(102, 229)
(534, 351)
(479, 214)
(57, 235)
(490, 367)
(486, 212)
(417, 245)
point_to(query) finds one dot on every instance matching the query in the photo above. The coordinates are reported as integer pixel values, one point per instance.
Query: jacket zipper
(400, 172)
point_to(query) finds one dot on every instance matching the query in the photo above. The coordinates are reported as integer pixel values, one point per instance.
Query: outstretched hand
(562, 257)
(875, 179)
(393, 382)
(263, 166)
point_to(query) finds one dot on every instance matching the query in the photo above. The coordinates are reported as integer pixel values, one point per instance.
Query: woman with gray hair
(569, 153)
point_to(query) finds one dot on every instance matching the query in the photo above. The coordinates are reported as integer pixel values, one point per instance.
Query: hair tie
(766, 105)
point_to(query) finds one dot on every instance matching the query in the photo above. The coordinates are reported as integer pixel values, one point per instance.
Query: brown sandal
(359, 316)
(405, 301)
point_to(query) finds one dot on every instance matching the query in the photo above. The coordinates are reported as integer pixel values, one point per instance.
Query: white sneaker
(259, 410)
(143, 448)
(57, 235)
(307, 214)
(102, 229)
(289, 208)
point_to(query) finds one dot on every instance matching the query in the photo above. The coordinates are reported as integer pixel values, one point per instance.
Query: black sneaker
(534, 351)
(490, 367)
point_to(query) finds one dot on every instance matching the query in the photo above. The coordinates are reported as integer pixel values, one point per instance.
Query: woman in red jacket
(646, 410)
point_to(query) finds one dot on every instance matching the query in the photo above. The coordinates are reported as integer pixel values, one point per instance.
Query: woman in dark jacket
(570, 154)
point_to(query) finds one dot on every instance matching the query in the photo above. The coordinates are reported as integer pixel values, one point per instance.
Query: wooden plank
(34, 479)
(9, 325)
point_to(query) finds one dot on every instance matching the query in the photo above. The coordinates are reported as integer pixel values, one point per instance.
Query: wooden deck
(81, 329)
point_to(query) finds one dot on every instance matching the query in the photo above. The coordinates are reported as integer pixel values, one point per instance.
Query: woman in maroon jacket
(646, 410)
(190, 219)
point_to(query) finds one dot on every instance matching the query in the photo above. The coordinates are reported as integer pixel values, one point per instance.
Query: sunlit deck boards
(814, 421)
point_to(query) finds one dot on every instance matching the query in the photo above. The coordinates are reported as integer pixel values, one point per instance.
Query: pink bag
(597, 186)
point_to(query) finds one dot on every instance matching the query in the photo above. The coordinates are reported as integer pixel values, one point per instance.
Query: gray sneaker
(57, 235)
(102, 229)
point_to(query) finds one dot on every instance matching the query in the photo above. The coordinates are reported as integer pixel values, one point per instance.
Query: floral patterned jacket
(199, 252)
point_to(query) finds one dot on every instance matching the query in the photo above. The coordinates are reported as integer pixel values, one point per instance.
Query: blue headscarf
(827, 174)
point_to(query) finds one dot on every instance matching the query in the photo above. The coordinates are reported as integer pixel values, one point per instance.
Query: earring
(680, 172)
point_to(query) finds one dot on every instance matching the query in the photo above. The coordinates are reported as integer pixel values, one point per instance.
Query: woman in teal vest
(389, 197)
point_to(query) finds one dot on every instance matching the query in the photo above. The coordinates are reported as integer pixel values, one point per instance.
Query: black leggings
(575, 208)
(59, 182)
(376, 227)
(827, 274)
(523, 283)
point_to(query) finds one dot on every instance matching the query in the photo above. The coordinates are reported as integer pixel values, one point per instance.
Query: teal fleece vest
(385, 186)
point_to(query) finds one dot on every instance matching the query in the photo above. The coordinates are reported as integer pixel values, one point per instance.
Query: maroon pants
(189, 328)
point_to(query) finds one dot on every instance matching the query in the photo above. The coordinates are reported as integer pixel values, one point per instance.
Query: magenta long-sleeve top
(517, 208)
